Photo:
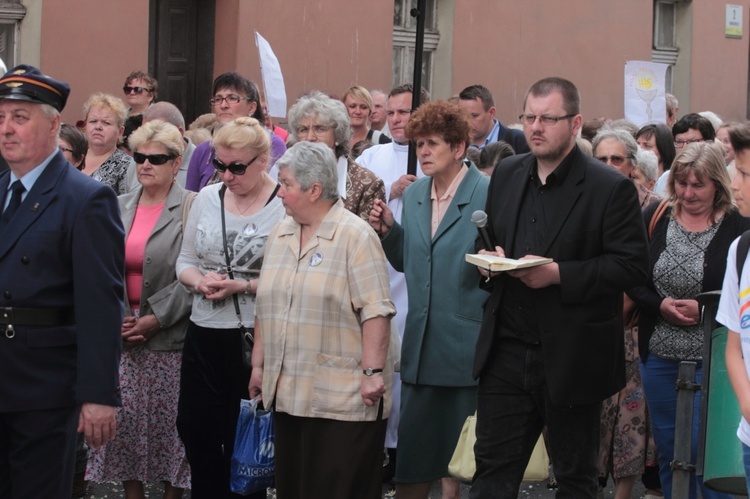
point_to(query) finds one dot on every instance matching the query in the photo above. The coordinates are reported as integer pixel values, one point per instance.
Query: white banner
(645, 97)
(273, 80)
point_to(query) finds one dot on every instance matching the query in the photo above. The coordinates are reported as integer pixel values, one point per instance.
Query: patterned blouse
(113, 171)
(362, 189)
(678, 273)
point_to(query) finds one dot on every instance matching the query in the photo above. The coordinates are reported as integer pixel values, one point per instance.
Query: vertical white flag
(273, 80)
(645, 92)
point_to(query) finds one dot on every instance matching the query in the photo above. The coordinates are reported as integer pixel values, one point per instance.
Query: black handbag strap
(742, 249)
(230, 271)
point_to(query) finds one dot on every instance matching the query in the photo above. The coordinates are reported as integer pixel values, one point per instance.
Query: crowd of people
(184, 268)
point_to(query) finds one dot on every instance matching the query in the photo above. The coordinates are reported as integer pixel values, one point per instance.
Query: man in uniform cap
(61, 291)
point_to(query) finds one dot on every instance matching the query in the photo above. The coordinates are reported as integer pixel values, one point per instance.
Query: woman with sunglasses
(214, 376)
(140, 92)
(234, 96)
(147, 447)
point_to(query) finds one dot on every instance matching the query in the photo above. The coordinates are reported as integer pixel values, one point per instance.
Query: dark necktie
(15, 202)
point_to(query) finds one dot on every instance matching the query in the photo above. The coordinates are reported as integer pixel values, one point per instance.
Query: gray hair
(623, 137)
(647, 163)
(312, 163)
(714, 118)
(164, 111)
(51, 113)
(330, 112)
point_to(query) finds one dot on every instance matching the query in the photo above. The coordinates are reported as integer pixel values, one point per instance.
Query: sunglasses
(137, 90)
(235, 168)
(614, 159)
(154, 159)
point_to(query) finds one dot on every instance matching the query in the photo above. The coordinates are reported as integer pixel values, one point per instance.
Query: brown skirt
(326, 459)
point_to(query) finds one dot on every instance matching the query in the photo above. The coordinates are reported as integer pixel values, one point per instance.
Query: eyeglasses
(231, 99)
(235, 168)
(154, 159)
(681, 143)
(614, 160)
(317, 130)
(65, 149)
(138, 90)
(529, 119)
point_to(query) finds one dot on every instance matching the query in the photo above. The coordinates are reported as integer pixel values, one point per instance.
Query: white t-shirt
(203, 248)
(734, 313)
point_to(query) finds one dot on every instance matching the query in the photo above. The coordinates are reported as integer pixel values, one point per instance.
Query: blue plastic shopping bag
(253, 465)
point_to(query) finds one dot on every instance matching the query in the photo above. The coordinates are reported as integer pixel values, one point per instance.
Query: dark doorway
(181, 46)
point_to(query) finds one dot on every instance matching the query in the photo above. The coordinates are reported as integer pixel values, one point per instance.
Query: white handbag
(463, 466)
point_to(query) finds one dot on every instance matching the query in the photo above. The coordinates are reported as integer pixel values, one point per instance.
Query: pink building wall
(326, 45)
(332, 44)
(93, 45)
(507, 45)
(719, 65)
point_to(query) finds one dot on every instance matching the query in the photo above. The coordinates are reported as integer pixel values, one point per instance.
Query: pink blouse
(135, 249)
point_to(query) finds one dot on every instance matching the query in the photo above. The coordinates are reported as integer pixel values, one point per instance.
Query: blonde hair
(158, 132)
(706, 161)
(360, 93)
(107, 102)
(241, 133)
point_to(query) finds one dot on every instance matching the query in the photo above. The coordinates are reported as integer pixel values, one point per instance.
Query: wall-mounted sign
(734, 21)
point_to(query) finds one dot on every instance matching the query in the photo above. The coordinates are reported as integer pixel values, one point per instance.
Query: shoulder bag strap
(742, 249)
(186, 205)
(656, 217)
(230, 272)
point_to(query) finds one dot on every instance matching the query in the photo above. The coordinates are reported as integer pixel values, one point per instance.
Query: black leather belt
(44, 317)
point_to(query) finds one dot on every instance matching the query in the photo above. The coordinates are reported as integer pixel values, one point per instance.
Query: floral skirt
(627, 443)
(146, 446)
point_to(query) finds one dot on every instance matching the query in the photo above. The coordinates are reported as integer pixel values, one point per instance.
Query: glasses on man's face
(682, 143)
(317, 130)
(231, 99)
(614, 160)
(136, 90)
(235, 168)
(154, 159)
(530, 119)
(65, 149)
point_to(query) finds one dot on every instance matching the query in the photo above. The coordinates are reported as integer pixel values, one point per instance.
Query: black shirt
(520, 308)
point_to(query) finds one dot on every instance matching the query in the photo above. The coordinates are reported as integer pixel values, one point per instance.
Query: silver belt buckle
(7, 315)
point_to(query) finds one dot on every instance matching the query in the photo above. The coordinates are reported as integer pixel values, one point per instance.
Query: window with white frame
(404, 41)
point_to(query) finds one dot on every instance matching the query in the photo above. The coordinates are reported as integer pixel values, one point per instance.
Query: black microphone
(479, 218)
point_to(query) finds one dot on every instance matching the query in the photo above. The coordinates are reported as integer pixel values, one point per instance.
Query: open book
(498, 264)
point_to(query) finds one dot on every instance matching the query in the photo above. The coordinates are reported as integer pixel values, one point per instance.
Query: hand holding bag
(463, 466)
(253, 464)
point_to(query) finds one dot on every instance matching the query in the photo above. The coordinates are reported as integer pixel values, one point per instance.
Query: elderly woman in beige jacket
(321, 354)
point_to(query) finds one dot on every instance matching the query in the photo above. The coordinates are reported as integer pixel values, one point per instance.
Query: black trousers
(513, 405)
(213, 381)
(37, 453)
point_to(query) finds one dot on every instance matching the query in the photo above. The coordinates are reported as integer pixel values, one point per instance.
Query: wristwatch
(370, 371)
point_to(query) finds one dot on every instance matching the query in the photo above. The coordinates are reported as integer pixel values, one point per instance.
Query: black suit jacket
(598, 239)
(64, 248)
